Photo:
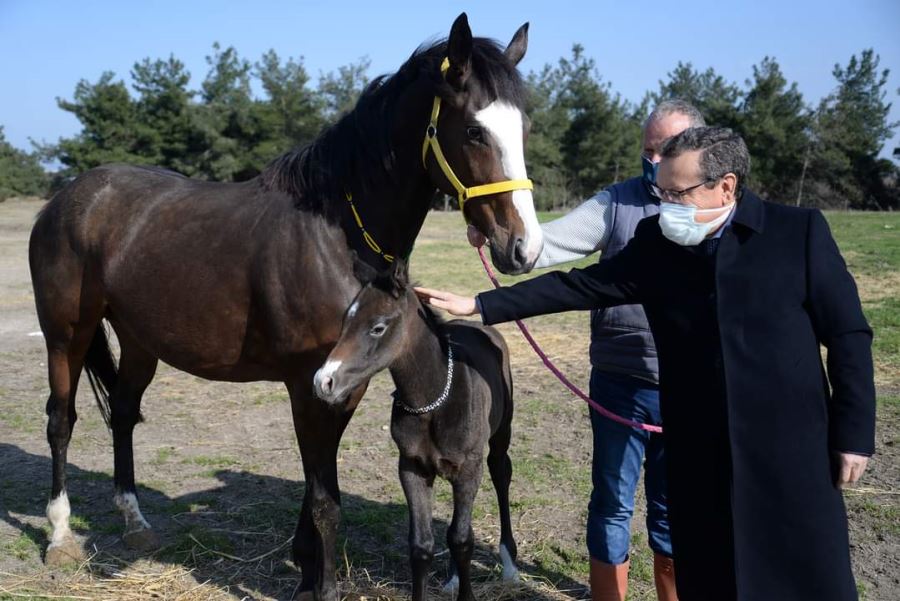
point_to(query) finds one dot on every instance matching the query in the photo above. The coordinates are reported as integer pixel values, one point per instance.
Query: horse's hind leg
(500, 467)
(66, 349)
(136, 369)
(64, 366)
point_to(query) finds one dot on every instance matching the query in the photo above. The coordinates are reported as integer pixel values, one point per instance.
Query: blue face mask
(650, 168)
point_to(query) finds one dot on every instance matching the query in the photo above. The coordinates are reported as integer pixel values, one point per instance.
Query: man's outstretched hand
(462, 306)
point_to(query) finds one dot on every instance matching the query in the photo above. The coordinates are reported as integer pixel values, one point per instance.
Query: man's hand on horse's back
(461, 306)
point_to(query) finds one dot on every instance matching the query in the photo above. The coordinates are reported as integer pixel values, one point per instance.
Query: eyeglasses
(678, 195)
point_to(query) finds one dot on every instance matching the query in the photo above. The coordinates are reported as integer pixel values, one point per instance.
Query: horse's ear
(399, 277)
(518, 45)
(364, 272)
(459, 52)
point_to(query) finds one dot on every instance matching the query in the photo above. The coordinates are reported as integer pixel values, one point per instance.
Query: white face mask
(678, 224)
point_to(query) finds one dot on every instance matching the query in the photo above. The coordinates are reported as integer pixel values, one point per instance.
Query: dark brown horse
(250, 281)
(453, 398)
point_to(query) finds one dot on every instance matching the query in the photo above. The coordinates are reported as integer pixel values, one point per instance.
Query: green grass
(163, 454)
(24, 547)
(870, 242)
(209, 461)
(884, 319)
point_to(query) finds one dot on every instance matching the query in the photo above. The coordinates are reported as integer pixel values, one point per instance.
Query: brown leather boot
(664, 575)
(608, 582)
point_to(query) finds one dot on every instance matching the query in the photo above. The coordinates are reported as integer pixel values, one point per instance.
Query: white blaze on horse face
(131, 510)
(353, 309)
(58, 512)
(504, 121)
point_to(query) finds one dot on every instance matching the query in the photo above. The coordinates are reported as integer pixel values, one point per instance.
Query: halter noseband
(464, 193)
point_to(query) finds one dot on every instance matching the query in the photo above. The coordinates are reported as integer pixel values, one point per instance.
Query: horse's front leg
(319, 429)
(417, 486)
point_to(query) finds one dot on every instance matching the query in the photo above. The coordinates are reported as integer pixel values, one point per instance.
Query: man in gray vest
(624, 374)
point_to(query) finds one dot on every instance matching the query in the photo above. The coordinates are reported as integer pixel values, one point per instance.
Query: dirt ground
(220, 480)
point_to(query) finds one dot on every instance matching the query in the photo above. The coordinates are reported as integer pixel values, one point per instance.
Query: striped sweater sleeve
(581, 232)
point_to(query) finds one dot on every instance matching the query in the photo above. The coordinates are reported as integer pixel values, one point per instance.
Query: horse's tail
(101, 371)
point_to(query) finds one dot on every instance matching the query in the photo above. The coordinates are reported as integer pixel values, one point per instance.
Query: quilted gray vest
(620, 337)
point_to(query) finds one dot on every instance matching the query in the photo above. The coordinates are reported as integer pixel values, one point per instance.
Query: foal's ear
(363, 272)
(399, 277)
(518, 45)
(459, 52)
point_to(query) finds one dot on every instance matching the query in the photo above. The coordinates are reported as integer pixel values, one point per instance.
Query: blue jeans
(618, 451)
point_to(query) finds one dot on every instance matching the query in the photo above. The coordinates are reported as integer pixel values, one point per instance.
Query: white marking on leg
(451, 585)
(504, 121)
(131, 510)
(510, 571)
(58, 512)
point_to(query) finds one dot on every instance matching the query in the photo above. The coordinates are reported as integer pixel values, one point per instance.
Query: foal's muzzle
(325, 384)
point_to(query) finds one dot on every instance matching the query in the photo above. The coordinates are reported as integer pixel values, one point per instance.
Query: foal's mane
(387, 282)
(356, 153)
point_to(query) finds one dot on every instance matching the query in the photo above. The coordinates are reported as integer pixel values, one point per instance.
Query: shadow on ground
(235, 536)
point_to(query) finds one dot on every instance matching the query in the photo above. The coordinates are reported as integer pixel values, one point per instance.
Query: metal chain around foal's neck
(441, 399)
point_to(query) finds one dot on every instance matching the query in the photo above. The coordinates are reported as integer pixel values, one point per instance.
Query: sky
(46, 46)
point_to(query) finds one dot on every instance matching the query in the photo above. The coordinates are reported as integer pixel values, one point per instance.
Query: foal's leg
(136, 369)
(460, 538)
(319, 429)
(417, 486)
(500, 468)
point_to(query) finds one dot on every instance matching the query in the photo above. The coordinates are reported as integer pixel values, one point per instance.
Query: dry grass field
(219, 471)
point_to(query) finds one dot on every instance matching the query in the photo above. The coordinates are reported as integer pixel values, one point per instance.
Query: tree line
(584, 136)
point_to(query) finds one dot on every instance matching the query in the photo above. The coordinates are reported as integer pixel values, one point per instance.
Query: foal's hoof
(63, 554)
(141, 540)
(451, 586)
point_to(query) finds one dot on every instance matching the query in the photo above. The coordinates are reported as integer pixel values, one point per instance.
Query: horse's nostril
(519, 252)
(326, 385)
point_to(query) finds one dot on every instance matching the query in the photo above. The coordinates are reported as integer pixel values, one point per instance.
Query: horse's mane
(356, 152)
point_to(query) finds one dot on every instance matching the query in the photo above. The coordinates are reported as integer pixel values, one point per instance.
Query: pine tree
(775, 124)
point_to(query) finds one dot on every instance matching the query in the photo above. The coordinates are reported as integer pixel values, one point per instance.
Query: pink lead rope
(561, 376)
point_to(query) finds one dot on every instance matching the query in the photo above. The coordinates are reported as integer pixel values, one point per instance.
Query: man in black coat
(759, 438)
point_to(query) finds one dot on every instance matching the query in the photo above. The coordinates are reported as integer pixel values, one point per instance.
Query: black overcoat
(751, 423)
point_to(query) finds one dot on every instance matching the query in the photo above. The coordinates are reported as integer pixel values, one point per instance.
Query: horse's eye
(378, 330)
(475, 133)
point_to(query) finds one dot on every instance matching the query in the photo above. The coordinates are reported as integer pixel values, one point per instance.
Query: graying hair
(677, 106)
(723, 152)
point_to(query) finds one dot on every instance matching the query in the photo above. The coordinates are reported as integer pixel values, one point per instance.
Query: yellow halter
(431, 141)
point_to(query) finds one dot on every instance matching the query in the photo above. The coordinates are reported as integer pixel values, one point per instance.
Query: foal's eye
(475, 133)
(378, 330)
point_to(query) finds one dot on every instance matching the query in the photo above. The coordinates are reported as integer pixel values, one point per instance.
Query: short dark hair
(723, 152)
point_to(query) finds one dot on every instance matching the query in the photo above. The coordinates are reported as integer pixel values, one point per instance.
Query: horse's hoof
(141, 540)
(304, 596)
(63, 554)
